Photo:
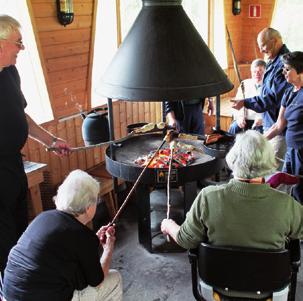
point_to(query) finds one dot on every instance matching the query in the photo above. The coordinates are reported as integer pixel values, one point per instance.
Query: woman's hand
(170, 227)
(106, 235)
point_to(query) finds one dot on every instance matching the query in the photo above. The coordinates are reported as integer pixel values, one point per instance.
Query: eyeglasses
(18, 43)
(287, 69)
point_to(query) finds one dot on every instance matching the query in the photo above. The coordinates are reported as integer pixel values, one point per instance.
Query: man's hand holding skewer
(237, 104)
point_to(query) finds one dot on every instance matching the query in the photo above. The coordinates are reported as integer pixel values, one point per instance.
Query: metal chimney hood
(163, 57)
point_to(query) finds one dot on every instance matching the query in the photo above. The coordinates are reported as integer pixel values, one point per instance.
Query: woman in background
(291, 119)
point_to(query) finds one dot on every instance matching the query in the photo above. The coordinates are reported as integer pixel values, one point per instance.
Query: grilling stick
(167, 138)
(172, 148)
(236, 69)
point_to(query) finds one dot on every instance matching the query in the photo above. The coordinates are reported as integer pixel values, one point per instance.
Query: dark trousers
(13, 204)
(235, 129)
(293, 164)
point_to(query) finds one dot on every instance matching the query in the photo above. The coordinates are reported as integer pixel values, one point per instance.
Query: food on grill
(187, 136)
(161, 160)
(185, 147)
(146, 128)
(212, 138)
(160, 125)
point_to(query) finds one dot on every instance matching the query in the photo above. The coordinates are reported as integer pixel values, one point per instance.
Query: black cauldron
(95, 128)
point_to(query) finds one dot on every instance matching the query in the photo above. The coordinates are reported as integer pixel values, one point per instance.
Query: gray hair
(78, 192)
(257, 63)
(251, 156)
(8, 25)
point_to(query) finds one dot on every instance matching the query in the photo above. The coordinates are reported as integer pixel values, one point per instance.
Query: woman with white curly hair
(58, 256)
(245, 211)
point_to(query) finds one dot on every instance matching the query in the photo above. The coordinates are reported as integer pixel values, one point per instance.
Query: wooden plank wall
(125, 113)
(65, 55)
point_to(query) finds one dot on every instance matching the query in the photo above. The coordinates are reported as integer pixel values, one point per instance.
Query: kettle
(95, 128)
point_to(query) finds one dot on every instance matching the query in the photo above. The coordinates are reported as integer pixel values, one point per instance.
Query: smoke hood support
(163, 57)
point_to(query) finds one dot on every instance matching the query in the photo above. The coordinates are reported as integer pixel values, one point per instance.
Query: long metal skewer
(236, 69)
(138, 180)
(172, 148)
(140, 131)
(80, 148)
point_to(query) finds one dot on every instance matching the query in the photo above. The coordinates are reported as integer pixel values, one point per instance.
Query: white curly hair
(78, 192)
(251, 156)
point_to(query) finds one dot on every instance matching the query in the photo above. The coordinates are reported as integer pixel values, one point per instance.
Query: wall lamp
(236, 7)
(65, 11)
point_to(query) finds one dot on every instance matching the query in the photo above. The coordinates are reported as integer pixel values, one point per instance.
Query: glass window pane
(289, 27)
(28, 63)
(105, 46)
(129, 12)
(219, 34)
(197, 11)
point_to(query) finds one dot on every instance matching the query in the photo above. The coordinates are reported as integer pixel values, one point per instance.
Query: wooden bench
(100, 173)
(34, 173)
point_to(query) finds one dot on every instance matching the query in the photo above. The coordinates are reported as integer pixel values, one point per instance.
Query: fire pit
(122, 165)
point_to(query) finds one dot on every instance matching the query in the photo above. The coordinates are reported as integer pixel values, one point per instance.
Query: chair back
(244, 269)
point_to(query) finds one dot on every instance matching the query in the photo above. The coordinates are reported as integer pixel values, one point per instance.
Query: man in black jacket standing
(15, 126)
(186, 116)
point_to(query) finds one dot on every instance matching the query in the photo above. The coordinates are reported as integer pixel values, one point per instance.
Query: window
(129, 10)
(289, 27)
(197, 11)
(105, 46)
(218, 34)
(29, 66)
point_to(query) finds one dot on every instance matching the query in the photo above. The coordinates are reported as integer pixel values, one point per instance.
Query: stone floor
(154, 276)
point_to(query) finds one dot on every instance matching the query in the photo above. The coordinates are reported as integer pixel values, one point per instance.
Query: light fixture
(236, 7)
(65, 11)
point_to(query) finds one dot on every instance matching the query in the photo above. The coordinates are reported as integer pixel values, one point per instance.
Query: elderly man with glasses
(15, 126)
(274, 85)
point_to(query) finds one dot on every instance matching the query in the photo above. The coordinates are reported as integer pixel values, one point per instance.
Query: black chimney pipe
(163, 57)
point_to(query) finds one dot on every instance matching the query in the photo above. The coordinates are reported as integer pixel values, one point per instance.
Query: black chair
(235, 273)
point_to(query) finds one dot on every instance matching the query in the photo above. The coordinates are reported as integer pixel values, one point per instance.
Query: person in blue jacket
(274, 85)
(291, 119)
(186, 116)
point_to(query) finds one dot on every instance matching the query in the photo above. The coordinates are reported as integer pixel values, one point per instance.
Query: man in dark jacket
(186, 116)
(274, 84)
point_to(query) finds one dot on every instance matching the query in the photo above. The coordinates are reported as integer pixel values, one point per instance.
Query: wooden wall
(66, 57)
(243, 31)
(65, 53)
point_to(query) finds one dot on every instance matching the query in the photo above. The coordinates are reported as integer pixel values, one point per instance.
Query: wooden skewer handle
(137, 182)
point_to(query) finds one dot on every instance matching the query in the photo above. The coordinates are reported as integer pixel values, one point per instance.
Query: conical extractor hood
(163, 57)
